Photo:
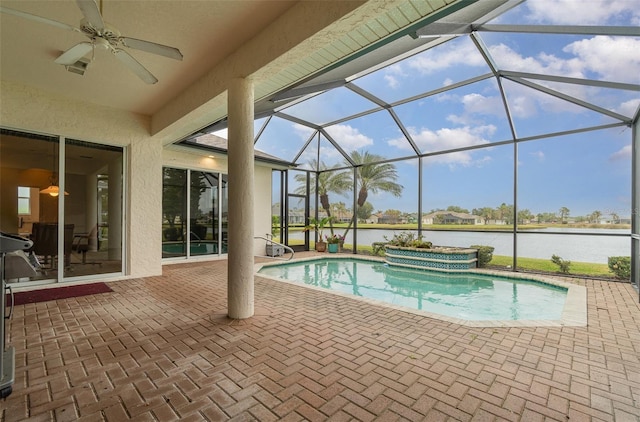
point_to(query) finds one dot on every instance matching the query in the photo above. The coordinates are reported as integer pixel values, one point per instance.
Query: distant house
(450, 217)
(295, 217)
(390, 219)
(373, 219)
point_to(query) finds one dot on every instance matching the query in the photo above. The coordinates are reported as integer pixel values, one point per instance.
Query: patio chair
(85, 242)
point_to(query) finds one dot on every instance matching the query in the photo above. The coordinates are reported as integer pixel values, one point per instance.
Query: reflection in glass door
(204, 232)
(62, 215)
(296, 217)
(224, 213)
(93, 209)
(174, 211)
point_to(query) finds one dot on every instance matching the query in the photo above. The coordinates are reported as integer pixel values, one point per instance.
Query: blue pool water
(197, 248)
(474, 297)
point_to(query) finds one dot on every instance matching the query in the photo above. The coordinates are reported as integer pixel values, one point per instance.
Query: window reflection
(91, 224)
(204, 232)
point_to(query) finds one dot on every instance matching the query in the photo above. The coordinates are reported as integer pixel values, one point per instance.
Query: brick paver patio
(162, 349)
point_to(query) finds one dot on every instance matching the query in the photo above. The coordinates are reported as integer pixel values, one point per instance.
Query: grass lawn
(545, 265)
(469, 227)
(588, 269)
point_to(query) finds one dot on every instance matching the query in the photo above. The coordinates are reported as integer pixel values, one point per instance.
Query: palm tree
(615, 218)
(374, 177)
(564, 212)
(337, 182)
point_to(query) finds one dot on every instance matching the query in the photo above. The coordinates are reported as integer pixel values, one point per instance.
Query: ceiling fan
(102, 35)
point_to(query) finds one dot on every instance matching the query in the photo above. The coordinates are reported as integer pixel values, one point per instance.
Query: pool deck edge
(574, 313)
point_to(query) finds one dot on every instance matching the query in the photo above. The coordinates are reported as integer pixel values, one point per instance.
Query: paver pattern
(161, 349)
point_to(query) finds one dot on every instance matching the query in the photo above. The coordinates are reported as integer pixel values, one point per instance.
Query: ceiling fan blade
(151, 47)
(37, 18)
(134, 66)
(74, 54)
(91, 13)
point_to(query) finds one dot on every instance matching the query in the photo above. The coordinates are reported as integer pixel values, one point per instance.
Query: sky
(584, 171)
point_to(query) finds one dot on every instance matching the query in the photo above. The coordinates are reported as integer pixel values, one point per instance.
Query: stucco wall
(35, 111)
(31, 110)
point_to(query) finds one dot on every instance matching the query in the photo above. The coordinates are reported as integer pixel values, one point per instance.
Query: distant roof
(460, 215)
(220, 145)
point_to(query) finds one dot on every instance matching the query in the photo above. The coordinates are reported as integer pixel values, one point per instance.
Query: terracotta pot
(321, 246)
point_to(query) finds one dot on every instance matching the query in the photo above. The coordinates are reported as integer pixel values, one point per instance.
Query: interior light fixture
(78, 67)
(53, 189)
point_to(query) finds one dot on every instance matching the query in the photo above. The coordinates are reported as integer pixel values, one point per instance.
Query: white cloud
(610, 58)
(304, 132)
(330, 156)
(628, 108)
(349, 138)
(590, 56)
(545, 63)
(474, 106)
(446, 56)
(539, 155)
(580, 12)
(393, 74)
(480, 104)
(613, 58)
(392, 81)
(622, 154)
(448, 138)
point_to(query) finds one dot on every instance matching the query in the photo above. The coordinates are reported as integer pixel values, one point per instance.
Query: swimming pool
(475, 296)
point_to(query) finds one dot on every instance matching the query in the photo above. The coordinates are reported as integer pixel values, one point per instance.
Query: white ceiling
(204, 31)
(277, 43)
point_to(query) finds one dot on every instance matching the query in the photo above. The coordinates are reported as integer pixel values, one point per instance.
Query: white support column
(241, 187)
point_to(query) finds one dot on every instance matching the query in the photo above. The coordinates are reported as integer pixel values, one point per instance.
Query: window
(24, 200)
(204, 231)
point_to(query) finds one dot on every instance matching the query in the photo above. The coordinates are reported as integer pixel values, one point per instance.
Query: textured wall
(145, 208)
(36, 111)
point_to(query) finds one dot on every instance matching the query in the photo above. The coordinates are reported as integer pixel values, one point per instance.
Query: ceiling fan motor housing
(109, 34)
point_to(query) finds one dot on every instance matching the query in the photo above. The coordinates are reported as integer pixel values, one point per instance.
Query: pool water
(197, 248)
(470, 296)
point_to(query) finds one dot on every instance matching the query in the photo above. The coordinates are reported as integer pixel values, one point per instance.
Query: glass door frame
(284, 211)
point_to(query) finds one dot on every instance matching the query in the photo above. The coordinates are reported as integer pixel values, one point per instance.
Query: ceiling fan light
(102, 43)
(78, 67)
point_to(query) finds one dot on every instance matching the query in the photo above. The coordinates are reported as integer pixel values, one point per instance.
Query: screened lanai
(511, 124)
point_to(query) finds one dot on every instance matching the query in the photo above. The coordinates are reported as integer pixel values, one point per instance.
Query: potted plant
(334, 242)
(318, 224)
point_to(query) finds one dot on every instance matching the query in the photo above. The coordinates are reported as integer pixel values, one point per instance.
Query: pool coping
(574, 313)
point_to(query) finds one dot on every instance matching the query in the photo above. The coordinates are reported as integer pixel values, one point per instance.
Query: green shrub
(563, 264)
(377, 248)
(620, 266)
(408, 240)
(485, 254)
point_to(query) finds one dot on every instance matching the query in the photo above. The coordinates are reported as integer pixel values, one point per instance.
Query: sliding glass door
(93, 213)
(204, 231)
(67, 197)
